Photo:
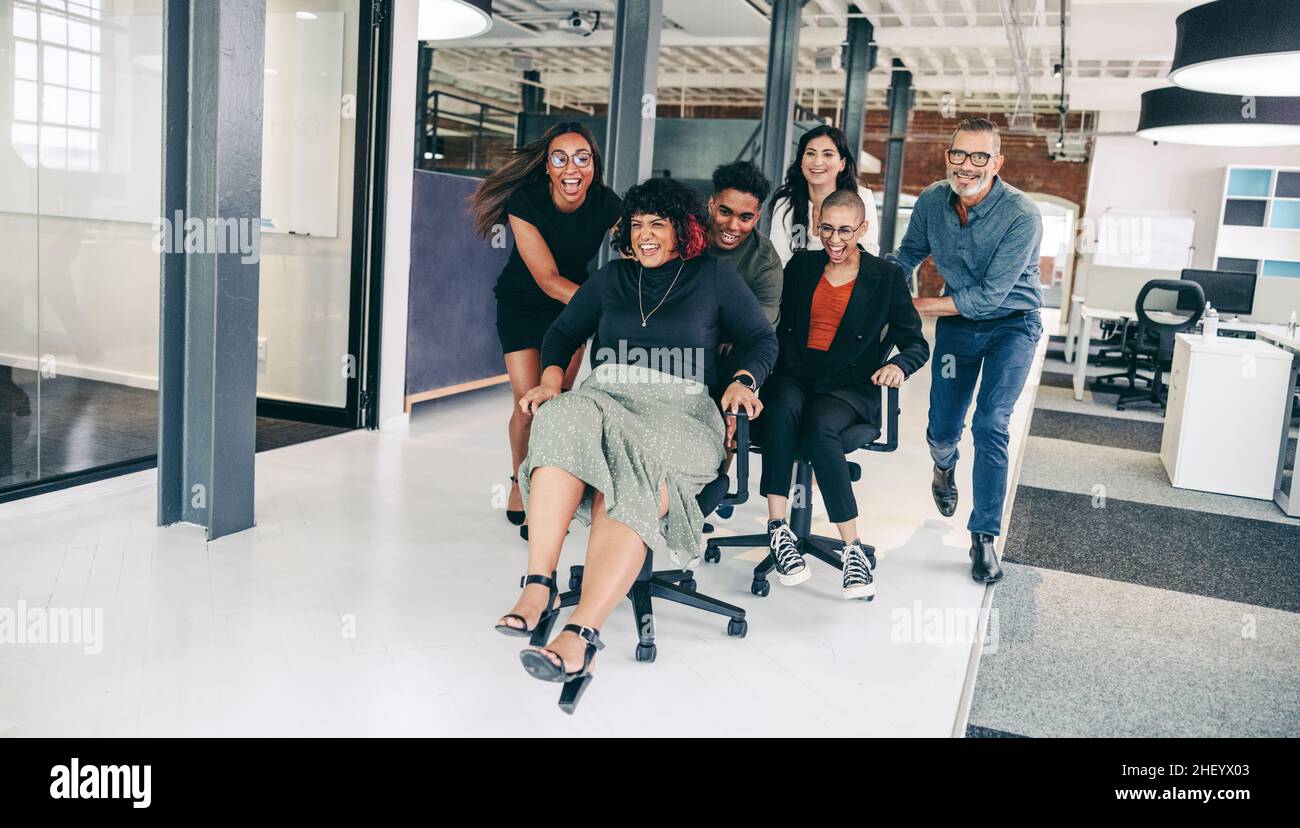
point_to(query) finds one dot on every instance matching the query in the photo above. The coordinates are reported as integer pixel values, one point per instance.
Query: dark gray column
(532, 101)
(859, 59)
(425, 125)
(633, 91)
(531, 96)
(900, 108)
(778, 102)
(633, 97)
(212, 184)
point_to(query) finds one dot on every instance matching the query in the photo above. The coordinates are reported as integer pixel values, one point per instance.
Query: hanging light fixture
(1239, 47)
(1183, 116)
(453, 19)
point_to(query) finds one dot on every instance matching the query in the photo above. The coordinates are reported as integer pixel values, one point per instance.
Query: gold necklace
(645, 317)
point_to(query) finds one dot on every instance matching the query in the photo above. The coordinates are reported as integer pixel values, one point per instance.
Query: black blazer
(879, 317)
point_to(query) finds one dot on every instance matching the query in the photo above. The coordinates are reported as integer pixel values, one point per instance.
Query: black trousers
(796, 422)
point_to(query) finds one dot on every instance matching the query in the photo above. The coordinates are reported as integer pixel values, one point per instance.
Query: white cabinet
(1223, 424)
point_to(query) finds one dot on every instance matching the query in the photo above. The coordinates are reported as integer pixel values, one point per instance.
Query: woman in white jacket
(823, 165)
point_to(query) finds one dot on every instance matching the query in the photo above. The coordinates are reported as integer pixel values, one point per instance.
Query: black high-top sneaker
(858, 582)
(791, 568)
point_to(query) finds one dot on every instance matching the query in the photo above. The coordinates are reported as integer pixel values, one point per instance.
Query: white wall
(1131, 173)
(397, 233)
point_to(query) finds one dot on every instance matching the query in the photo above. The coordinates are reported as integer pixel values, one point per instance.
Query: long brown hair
(488, 203)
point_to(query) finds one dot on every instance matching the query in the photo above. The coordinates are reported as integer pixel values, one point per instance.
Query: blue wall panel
(451, 333)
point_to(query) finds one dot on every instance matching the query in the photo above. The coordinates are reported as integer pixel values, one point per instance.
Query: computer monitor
(1227, 292)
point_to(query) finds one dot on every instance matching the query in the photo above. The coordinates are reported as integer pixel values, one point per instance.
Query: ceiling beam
(825, 81)
(902, 37)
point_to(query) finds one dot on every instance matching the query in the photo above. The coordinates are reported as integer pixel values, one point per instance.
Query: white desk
(1285, 494)
(1228, 400)
(1079, 335)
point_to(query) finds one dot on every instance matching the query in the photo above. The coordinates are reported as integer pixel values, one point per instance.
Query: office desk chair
(856, 436)
(678, 586)
(1165, 308)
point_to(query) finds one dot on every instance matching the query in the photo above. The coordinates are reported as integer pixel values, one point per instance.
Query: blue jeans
(1004, 350)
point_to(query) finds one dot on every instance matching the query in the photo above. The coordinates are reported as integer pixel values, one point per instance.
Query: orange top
(828, 304)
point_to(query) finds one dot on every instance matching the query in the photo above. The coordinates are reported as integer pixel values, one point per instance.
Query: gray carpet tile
(1077, 656)
(1062, 399)
(1097, 430)
(1125, 474)
(1219, 556)
(273, 433)
(975, 732)
(1053, 379)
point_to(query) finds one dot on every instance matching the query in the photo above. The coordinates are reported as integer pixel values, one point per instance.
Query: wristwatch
(745, 380)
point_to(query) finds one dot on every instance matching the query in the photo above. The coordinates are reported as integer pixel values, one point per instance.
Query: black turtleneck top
(709, 304)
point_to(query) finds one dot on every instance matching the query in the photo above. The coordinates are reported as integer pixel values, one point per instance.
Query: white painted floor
(363, 603)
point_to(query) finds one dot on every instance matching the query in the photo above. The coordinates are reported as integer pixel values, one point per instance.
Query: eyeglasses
(958, 157)
(845, 233)
(582, 158)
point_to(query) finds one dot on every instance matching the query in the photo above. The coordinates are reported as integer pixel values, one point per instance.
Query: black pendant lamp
(454, 19)
(1183, 116)
(1239, 47)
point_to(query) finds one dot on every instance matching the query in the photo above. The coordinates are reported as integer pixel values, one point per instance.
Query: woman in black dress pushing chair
(559, 209)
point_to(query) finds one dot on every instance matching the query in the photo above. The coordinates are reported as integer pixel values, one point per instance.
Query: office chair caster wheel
(724, 511)
(575, 578)
(708, 529)
(646, 652)
(737, 627)
(688, 584)
(712, 554)
(760, 588)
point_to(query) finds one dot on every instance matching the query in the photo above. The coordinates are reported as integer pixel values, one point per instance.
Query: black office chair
(857, 436)
(675, 585)
(1165, 308)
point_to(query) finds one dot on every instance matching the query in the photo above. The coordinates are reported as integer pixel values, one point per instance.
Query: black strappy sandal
(537, 635)
(539, 666)
(515, 516)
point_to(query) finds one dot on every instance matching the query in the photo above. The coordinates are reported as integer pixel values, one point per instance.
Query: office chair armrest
(742, 460)
(889, 421)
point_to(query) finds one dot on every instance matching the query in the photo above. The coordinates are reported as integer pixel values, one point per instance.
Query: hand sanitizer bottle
(1210, 323)
(1290, 327)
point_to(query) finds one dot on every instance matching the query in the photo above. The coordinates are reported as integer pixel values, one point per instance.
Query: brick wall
(1028, 166)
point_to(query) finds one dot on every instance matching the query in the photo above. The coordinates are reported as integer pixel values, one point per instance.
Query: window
(57, 76)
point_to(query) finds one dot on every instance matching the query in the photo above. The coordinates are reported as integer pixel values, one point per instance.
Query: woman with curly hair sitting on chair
(628, 450)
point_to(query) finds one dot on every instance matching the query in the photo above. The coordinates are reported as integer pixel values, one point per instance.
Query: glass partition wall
(306, 356)
(80, 188)
(80, 159)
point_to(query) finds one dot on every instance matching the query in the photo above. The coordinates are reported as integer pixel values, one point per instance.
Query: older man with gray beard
(985, 237)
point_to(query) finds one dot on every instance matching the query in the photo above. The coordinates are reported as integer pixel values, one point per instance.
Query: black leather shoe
(984, 566)
(944, 489)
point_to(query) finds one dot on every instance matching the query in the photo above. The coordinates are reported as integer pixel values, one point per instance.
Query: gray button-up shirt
(990, 265)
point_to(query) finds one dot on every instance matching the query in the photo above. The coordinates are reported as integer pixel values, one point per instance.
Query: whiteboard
(1152, 239)
(302, 123)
